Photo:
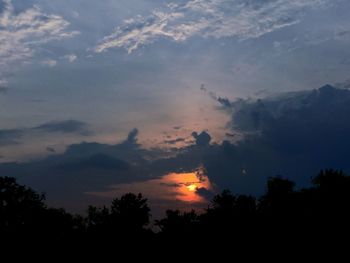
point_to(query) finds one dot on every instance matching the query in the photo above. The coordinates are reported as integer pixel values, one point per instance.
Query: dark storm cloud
(294, 135)
(68, 126)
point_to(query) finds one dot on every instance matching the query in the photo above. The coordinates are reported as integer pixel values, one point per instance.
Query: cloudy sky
(136, 78)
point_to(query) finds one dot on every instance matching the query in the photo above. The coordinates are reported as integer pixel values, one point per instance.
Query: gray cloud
(97, 163)
(13, 136)
(50, 150)
(68, 126)
(10, 136)
(202, 139)
(225, 102)
(208, 18)
(132, 136)
(174, 141)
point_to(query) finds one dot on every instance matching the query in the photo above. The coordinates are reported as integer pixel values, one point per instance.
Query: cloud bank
(293, 135)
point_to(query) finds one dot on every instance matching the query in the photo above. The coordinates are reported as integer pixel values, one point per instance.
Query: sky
(102, 97)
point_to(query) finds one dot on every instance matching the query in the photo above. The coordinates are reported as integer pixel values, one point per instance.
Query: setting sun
(172, 187)
(188, 184)
(192, 187)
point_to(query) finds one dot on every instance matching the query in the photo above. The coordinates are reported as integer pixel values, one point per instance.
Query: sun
(192, 187)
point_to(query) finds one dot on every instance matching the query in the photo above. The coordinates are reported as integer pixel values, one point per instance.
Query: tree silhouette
(126, 217)
(19, 205)
(131, 212)
(310, 215)
(332, 194)
(177, 224)
(278, 198)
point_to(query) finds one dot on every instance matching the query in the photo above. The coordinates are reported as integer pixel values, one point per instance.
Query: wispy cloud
(49, 62)
(209, 18)
(22, 33)
(13, 136)
(70, 57)
(68, 126)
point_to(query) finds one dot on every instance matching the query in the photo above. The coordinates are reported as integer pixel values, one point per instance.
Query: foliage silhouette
(19, 205)
(179, 225)
(310, 215)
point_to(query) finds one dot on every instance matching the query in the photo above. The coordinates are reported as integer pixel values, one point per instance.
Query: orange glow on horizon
(187, 185)
(181, 187)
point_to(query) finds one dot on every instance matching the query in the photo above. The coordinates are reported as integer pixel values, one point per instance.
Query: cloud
(70, 57)
(21, 33)
(225, 102)
(13, 136)
(81, 168)
(132, 136)
(68, 126)
(49, 62)
(50, 150)
(175, 141)
(209, 19)
(10, 136)
(97, 162)
(202, 139)
(294, 135)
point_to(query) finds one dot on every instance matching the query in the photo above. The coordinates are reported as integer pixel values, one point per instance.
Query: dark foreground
(282, 219)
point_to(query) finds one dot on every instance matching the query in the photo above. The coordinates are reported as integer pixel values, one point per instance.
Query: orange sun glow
(187, 185)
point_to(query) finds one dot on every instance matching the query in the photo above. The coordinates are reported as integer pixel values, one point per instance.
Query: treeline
(282, 214)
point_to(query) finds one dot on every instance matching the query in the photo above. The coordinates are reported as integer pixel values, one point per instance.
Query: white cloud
(50, 62)
(22, 33)
(139, 31)
(71, 57)
(209, 18)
